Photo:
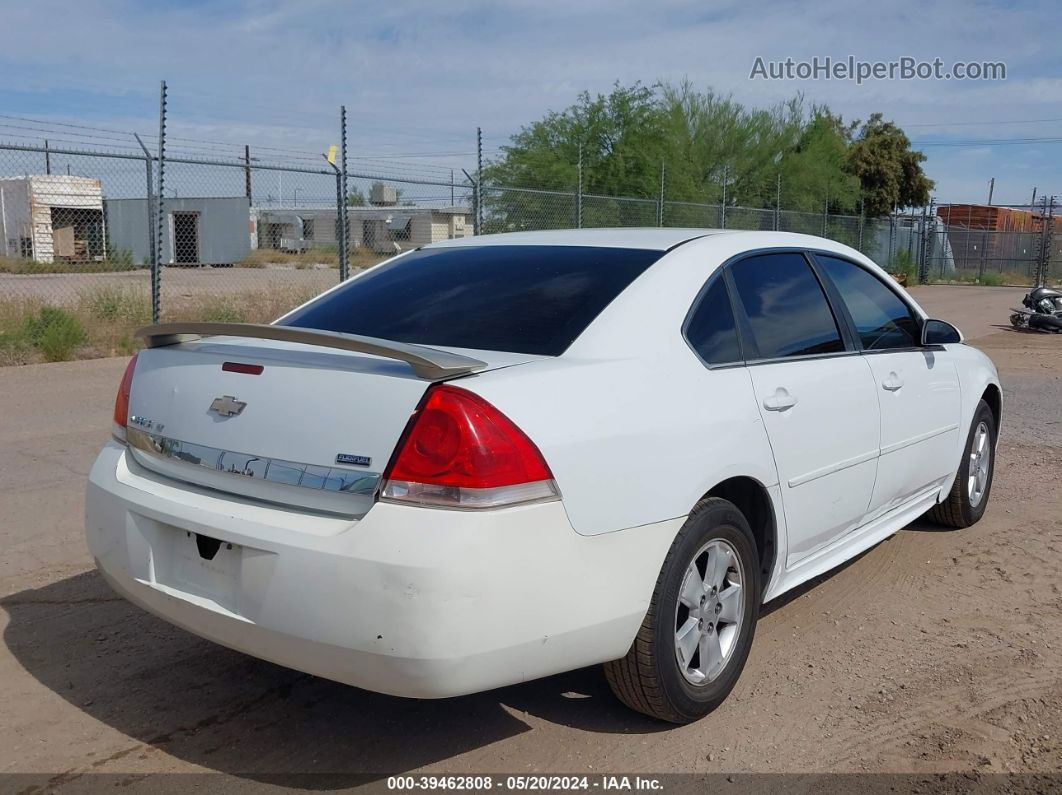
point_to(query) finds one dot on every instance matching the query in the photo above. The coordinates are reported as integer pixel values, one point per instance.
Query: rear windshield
(524, 299)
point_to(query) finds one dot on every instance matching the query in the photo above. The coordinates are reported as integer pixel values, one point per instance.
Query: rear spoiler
(430, 363)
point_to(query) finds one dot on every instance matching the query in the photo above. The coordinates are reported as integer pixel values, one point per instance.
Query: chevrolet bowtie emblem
(227, 406)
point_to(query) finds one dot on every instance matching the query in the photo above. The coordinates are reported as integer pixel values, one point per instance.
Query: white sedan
(499, 458)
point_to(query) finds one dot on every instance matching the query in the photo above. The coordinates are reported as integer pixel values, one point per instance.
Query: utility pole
(991, 190)
(47, 158)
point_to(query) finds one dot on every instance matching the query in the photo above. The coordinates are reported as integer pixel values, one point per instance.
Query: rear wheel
(697, 633)
(968, 498)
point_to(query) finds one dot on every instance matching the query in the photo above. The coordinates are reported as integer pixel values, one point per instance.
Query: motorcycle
(1042, 312)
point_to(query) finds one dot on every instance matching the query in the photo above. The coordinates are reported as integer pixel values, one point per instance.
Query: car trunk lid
(313, 428)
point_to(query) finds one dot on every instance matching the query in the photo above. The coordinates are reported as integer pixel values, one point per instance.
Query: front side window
(786, 307)
(523, 299)
(882, 320)
(711, 331)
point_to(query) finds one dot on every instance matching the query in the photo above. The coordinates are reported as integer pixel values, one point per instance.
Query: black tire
(649, 679)
(957, 510)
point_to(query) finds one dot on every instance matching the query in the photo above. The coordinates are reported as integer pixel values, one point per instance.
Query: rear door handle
(892, 383)
(780, 400)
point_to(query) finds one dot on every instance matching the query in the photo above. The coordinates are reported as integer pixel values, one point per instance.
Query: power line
(978, 123)
(992, 142)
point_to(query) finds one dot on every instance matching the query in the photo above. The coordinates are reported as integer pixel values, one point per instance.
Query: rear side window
(523, 299)
(786, 307)
(881, 318)
(711, 330)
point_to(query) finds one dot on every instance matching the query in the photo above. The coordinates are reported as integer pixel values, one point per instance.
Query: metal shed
(196, 231)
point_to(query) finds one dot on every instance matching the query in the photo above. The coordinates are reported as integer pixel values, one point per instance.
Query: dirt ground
(937, 651)
(177, 283)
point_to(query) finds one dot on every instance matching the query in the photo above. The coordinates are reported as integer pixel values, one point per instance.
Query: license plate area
(201, 566)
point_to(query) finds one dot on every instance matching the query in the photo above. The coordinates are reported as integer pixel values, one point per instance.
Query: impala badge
(227, 406)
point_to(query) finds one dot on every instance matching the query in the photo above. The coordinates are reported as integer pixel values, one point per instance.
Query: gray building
(196, 231)
(383, 230)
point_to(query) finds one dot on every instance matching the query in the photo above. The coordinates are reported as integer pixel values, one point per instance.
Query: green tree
(618, 133)
(703, 139)
(889, 171)
(814, 172)
(711, 137)
(355, 198)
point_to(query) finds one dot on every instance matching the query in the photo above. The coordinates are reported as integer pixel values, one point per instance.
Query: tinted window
(786, 307)
(524, 299)
(711, 330)
(881, 318)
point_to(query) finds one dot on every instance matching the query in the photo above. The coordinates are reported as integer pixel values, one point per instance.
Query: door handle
(780, 400)
(892, 383)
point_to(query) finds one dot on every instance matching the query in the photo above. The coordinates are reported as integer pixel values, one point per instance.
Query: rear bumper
(408, 601)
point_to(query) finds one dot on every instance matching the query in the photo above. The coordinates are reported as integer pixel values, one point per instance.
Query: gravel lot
(934, 652)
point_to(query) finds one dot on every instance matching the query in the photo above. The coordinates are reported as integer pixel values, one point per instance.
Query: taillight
(121, 402)
(459, 451)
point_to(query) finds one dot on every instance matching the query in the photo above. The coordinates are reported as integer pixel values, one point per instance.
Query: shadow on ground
(232, 713)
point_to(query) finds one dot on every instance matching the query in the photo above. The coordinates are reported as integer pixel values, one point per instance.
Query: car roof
(653, 238)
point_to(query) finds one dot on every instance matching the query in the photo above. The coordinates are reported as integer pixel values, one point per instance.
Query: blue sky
(419, 77)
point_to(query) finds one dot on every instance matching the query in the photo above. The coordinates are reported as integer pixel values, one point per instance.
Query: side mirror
(939, 332)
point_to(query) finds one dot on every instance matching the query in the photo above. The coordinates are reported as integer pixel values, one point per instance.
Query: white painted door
(917, 388)
(825, 445)
(919, 396)
(817, 400)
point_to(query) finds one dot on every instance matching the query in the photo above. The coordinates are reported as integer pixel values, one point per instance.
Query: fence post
(778, 202)
(1050, 242)
(478, 192)
(344, 236)
(722, 205)
(859, 242)
(579, 192)
(660, 201)
(924, 249)
(156, 270)
(1047, 223)
(892, 235)
(825, 210)
(247, 172)
(152, 251)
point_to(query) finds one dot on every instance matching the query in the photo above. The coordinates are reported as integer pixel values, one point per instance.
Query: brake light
(121, 402)
(459, 451)
(240, 367)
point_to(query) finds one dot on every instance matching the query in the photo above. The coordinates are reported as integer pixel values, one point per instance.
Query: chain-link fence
(94, 244)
